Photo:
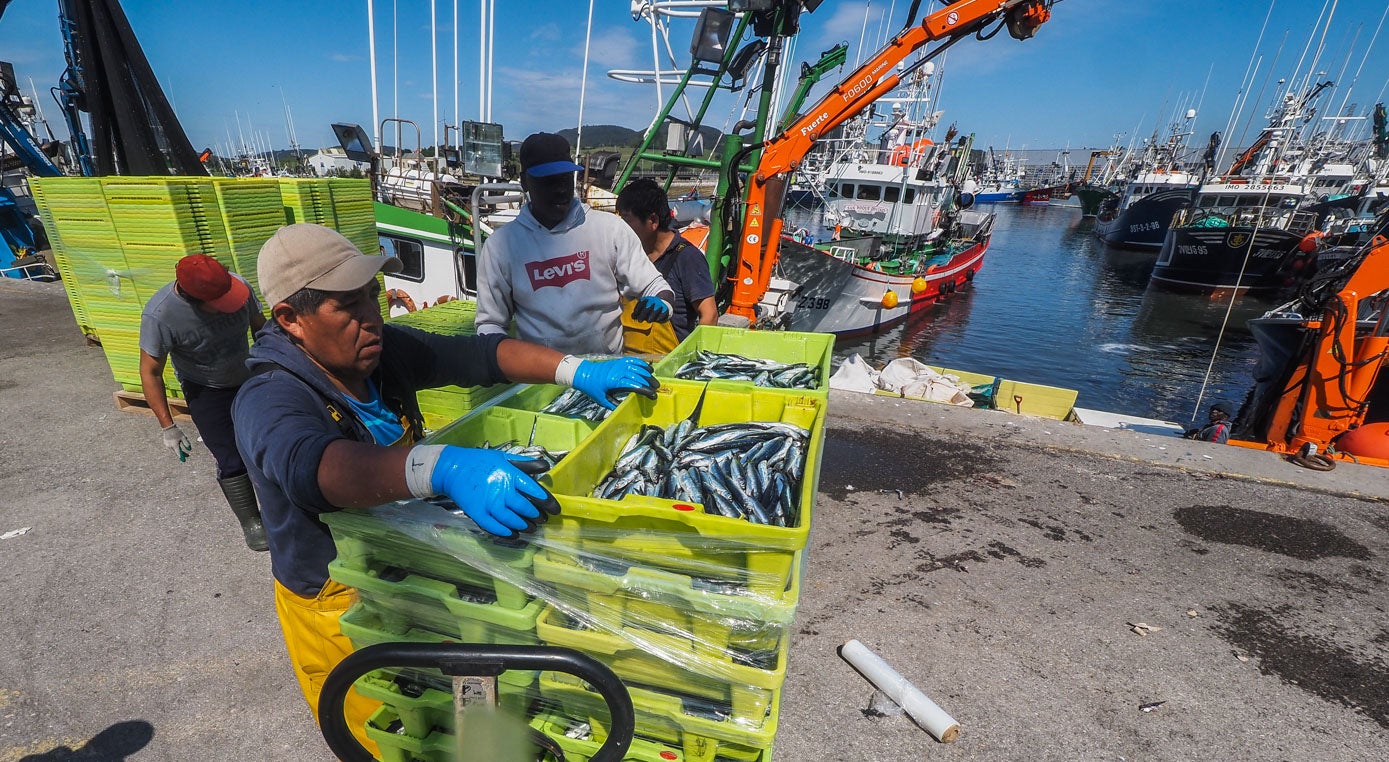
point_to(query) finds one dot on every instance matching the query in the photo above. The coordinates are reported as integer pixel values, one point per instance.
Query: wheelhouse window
(869, 192)
(409, 252)
(846, 190)
(910, 198)
(891, 194)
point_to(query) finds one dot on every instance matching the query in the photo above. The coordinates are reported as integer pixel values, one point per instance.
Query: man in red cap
(202, 321)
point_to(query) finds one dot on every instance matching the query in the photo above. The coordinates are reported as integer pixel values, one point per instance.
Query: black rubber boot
(242, 498)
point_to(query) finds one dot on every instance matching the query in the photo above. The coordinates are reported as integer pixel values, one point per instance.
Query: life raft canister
(1309, 242)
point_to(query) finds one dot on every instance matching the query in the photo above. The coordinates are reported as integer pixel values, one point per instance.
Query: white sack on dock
(855, 375)
(911, 378)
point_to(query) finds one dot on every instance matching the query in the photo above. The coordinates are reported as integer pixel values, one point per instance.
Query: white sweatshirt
(563, 285)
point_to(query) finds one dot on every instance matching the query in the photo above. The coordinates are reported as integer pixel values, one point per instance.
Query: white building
(329, 161)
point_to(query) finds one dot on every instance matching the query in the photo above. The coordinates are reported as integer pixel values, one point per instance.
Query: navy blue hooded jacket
(285, 418)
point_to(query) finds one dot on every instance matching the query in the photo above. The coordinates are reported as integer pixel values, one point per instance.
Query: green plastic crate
(618, 597)
(677, 536)
(703, 731)
(384, 727)
(535, 397)
(813, 349)
(500, 425)
(368, 544)
(558, 728)
(745, 688)
(424, 703)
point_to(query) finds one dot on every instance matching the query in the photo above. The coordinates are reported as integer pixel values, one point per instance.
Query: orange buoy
(919, 285)
(1308, 244)
(1370, 441)
(889, 300)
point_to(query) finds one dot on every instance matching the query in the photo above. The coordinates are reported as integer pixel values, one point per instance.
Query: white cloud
(343, 57)
(548, 33)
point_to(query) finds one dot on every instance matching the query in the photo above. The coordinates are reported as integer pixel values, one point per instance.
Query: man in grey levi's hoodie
(561, 270)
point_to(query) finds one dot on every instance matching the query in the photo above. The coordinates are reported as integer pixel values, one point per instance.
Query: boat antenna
(371, 55)
(1250, 70)
(434, 74)
(863, 30)
(1366, 57)
(583, 82)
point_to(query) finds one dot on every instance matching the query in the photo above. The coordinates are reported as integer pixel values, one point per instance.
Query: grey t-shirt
(206, 349)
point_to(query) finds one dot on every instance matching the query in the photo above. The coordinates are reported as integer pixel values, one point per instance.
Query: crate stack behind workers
(116, 240)
(692, 610)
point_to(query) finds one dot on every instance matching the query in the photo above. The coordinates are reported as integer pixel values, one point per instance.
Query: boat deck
(995, 560)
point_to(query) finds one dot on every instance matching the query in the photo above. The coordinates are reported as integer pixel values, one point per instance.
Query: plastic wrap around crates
(710, 628)
(812, 349)
(423, 698)
(746, 687)
(388, 729)
(699, 628)
(578, 743)
(413, 601)
(368, 544)
(756, 560)
(702, 729)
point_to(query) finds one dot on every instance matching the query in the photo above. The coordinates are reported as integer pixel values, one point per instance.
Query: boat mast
(371, 47)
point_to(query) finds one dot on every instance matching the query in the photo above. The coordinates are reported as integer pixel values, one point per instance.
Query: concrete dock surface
(1000, 563)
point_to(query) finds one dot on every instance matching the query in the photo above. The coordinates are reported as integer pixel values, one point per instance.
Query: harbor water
(1054, 305)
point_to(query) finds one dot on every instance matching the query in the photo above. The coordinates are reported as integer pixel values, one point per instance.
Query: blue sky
(1099, 68)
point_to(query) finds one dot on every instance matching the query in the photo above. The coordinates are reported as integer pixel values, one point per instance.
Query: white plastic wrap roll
(932, 718)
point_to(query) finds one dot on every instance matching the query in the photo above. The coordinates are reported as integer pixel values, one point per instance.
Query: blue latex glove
(494, 489)
(652, 309)
(604, 379)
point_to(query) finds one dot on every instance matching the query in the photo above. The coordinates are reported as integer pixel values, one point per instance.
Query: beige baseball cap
(305, 255)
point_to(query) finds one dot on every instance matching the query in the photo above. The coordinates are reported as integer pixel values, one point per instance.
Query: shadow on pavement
(113, 744)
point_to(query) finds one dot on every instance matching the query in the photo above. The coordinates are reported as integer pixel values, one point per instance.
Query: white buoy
(921, 708)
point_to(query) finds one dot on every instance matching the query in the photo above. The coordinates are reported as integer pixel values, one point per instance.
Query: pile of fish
(747, 471)
(575, 404)
(530, 451)
(708, 366)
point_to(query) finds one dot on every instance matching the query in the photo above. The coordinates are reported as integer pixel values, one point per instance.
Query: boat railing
(1296, 221)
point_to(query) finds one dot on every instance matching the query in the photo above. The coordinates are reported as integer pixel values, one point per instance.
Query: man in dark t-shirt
(642, 205)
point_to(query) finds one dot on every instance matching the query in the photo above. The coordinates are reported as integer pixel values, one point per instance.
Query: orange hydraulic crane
(1336, 339)
(759, 240)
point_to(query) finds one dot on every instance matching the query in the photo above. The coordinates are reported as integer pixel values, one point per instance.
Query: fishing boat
(1246, 228)
(1001, 180)
(1158, 186)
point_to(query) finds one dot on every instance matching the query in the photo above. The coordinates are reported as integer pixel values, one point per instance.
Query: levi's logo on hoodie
(559, 271)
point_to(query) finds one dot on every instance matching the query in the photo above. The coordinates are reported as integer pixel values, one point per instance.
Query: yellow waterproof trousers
(642, 338)
(316, 645)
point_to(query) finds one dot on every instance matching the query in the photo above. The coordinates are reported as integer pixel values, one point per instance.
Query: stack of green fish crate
(692, 609)
(446, 404)
(116, 241)
(342, 204)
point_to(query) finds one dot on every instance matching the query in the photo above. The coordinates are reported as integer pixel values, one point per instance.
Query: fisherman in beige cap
(329, 420)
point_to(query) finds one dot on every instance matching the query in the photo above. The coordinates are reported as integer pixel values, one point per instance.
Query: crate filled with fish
(552, 399)
(765, 359)
(713, 481)
(519, 432)
(701, 729)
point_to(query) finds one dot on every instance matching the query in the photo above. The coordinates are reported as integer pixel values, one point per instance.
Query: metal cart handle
(463, 659)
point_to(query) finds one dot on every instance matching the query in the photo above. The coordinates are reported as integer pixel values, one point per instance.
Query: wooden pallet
(134, 402)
